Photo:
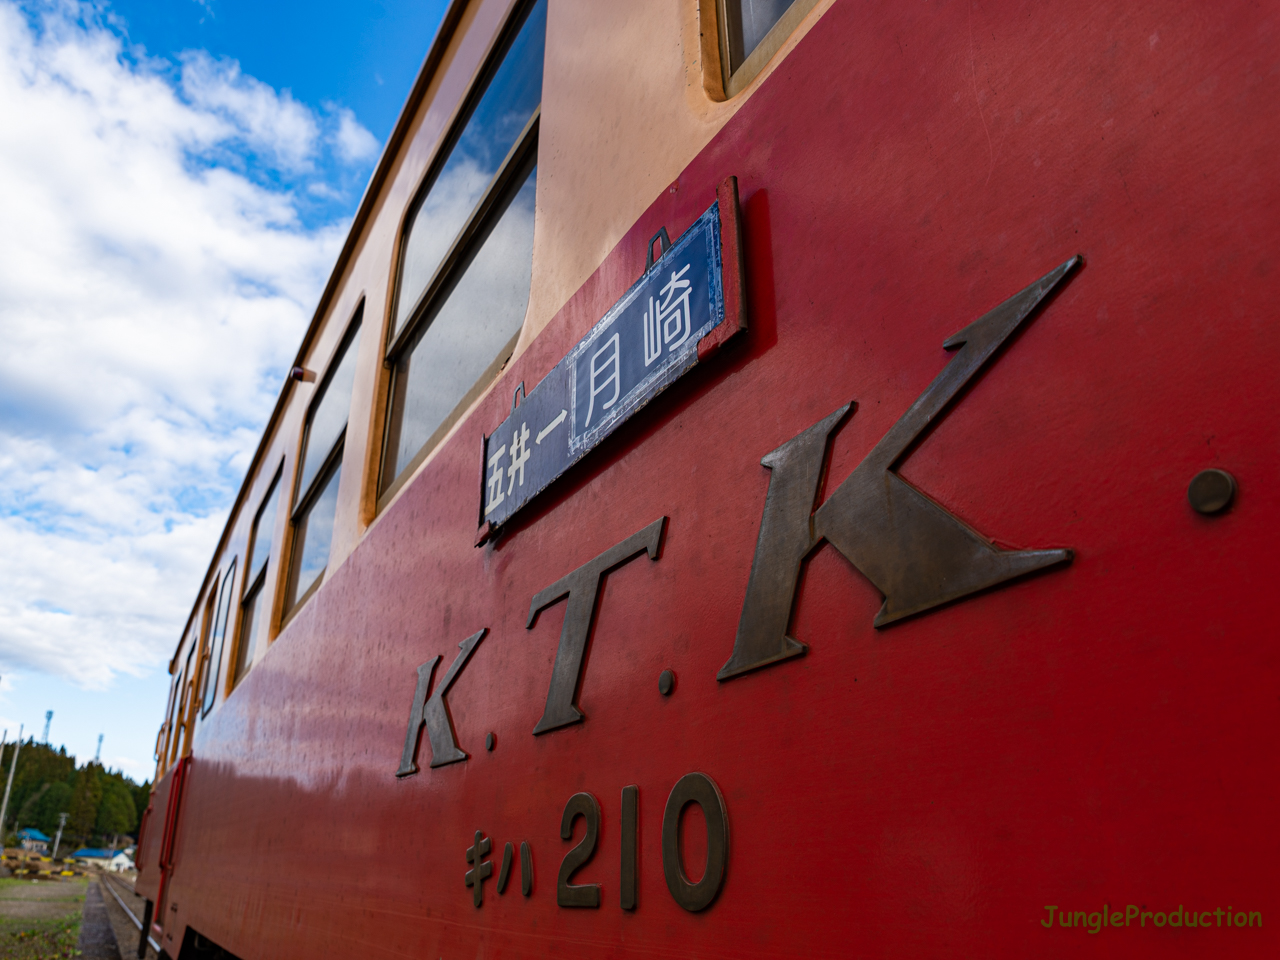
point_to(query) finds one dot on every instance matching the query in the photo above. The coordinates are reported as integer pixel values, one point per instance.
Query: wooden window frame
(716, 54)
(188, 710)
(243, 625)
(247, 588)
(175, 733)
(524, 148)
(514, 165)
(223, 614)
(526, 144)
(207, 624)
(331, 463)
(164, 737)
(302, 500)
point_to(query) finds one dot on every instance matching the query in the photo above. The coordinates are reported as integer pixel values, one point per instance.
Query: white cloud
(155, 279)
(265, 120)
(353, 141)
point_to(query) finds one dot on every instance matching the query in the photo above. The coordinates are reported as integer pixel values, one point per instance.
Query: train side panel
(1093, 737)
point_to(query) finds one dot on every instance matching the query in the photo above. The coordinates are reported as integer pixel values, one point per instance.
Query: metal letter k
(915, 551)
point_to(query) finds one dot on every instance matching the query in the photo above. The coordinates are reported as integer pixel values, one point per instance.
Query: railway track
(109, 883)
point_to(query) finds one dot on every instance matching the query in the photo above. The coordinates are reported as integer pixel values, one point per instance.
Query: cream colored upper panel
(371, 271)
(624, 111)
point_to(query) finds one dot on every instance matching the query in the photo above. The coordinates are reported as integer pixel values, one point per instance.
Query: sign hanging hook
(662, 236)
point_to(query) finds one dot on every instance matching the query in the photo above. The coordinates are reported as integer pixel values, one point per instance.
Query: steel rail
(136, 922)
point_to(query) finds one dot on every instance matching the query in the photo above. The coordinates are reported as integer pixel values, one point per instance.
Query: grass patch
(40, 939)
(39, 921)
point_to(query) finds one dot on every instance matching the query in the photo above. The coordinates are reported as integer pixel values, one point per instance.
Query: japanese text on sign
(646, 341)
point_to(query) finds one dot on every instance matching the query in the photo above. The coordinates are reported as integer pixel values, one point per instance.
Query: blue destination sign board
(646, 341)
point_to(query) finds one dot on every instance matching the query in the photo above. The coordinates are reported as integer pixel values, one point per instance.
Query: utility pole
(62, 822)
(99, 752)
(4, 807)
(48, 719)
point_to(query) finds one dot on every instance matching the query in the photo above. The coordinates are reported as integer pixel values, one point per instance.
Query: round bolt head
(490, 741)
(1211, 491)
(666, 682)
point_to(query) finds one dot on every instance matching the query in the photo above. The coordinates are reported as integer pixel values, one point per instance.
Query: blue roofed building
(36, 841)
(113, 860)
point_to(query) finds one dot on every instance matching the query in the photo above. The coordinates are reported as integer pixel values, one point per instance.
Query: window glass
(317, 498)
(217, 614)
(328, 416)
(747, 22)
(256, 577)
(314, 534)
(213, 621)
(169, 722)
(263, 528)
(179, 715)
(472, 324)
(208, 633)
(187, 714)
(510, 99)
(250, 626)
(218, 641)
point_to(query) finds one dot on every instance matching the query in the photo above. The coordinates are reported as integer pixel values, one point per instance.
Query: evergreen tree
(101, 804)
(38, 765)
(116, 814)
(141, 797)
(86, 795)
(55, 800)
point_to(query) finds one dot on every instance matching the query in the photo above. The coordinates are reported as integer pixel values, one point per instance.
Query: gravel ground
(97, 938)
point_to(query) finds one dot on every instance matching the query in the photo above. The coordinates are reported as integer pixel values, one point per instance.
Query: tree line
(101, 805)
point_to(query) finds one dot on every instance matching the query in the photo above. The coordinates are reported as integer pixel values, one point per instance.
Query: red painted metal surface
(151, 837)
(158, 849)
(1100, 734)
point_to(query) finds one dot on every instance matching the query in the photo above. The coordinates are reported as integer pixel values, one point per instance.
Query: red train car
(763, 479)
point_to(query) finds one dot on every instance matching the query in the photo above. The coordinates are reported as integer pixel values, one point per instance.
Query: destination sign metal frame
(687, 303)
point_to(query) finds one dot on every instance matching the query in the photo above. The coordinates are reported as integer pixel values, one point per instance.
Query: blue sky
(363, 54)
(183, 174)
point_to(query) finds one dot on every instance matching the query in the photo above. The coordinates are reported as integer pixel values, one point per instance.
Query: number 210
(691, 788)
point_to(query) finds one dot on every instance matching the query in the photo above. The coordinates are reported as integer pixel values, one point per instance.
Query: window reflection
(250, 626)
(185, 716)
(217, 642)
(747, 22)
(328, 417)
(314, 534)
(263, 529)
(468, 258)
(264, 525)
(490, 133)
(474, 323)
(321, 462)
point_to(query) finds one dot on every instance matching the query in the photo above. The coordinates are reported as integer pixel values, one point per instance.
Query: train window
(314, 534)
(179, 712)
(327, 419)
(467, 256)
(188, 710)
(250, 627)
(321, 468)
(264, 525)
(751, 31)
(167, 729)
(218, 641)
(255, 578)
(208, 633)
